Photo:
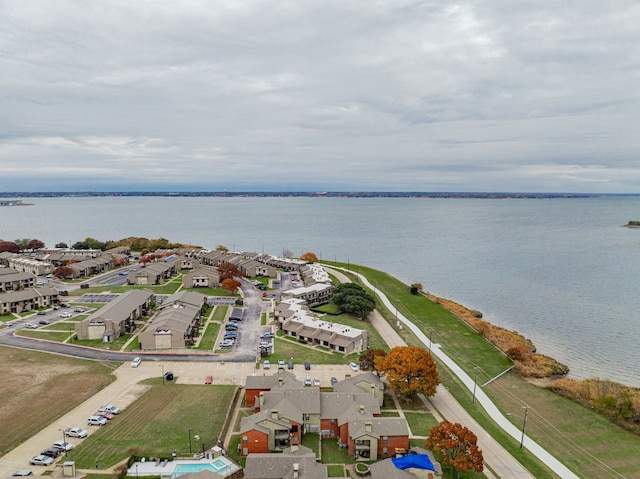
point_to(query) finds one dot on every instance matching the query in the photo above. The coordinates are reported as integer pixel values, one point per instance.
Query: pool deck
(167, 468)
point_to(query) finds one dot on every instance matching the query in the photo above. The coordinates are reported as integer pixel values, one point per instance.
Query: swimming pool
(219, 466)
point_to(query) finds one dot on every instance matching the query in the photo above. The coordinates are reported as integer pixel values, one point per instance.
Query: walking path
(496, 457)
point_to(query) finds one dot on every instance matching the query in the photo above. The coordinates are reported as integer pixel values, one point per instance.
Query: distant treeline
(329, 194)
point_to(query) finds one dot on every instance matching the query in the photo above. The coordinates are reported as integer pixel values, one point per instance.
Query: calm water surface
(561, 271)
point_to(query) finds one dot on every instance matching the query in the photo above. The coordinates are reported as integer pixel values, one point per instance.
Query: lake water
(563, 272)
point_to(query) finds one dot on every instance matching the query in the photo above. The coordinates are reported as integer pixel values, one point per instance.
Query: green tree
(353, 298)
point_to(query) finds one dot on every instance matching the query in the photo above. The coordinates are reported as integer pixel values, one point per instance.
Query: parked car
(110, 408)
(107, 415)
(168, 376)
(208, 380)
(290, 364)
(265, 345)
(64, 446)
(51, 452)
(31, 325)
(136, 362)
(41, 460)
(230, 335)
(41, 313)
(22, 473)
(316, 382)
(354, 367)
(307, 381)
(44, 322)
(65, 314)
(267, 335)
(334, 380)
(78, 310)
(75, 432)
(96, 421)
(230, 327)
(307, 366)
(266, 364)
(227, 343)
(280, 363)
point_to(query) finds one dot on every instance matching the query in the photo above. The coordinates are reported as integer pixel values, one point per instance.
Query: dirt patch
(41, 388)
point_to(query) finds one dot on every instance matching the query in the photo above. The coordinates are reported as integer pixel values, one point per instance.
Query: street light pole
(475, 382)
(162, 366)
(190, 452)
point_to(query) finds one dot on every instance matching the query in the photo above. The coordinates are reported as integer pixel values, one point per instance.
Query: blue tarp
(420, 461)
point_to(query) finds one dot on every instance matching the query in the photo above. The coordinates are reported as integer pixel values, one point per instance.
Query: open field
(38, 387)
(162, 420)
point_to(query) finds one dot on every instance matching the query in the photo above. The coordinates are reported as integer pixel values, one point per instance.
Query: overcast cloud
(492, 95)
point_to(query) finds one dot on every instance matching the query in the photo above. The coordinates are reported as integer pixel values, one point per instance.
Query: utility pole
(397, 323)
(524, 424)
(475, 382)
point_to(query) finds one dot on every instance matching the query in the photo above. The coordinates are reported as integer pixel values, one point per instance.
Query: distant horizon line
(352, 194)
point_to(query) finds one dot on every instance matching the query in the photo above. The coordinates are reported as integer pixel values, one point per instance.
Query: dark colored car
(51, 452)
(307, 366)
(290, 365)
(334, 380)
(168, 376)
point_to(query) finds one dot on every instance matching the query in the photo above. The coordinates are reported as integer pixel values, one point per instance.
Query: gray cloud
(334, 95)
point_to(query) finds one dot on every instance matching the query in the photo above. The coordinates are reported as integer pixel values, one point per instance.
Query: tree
(9, 246)
(61, 245)
(22, 243)
(287, 253)
(63, 272)
(367, 360)
(309, 257)
(222, 248)
(353, 298)
(457, 447)
(230, 284)
(35, 244)
(229, 271)
(416, 288)
(409, 370)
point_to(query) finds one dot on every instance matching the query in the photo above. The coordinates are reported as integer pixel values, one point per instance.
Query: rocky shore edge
(618, 402)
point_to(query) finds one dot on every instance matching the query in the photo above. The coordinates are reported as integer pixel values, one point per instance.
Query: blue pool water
(218, 466)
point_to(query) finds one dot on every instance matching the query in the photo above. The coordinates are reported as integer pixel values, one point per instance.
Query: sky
(235, 95)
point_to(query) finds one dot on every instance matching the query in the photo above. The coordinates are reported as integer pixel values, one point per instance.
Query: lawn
(50, 335)
(336, 470)
(209, 336)
(285, 348)
(420, 423)
(165, 418)
(41, 388)
(332, 454)
(220, 313)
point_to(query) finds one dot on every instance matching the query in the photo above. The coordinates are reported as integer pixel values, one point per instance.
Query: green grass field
(160, 421)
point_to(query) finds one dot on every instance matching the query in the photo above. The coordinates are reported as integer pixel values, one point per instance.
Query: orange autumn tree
(409, 370)
(309, 257)
(230, 284)
(457, 447)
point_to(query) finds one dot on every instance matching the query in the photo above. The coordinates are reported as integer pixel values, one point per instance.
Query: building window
(245, 439)
(385, 438)
(384, 450)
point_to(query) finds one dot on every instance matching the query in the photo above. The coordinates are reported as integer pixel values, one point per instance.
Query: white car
(75, 432)
(280, 363)
(62, 445)
(316, 382)
(266, 364)
(307, 381)
(136, 362)
(65, 314)
(96, 421)
(354, 367)
(41, 460)
(110, 408)
(31, 325)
